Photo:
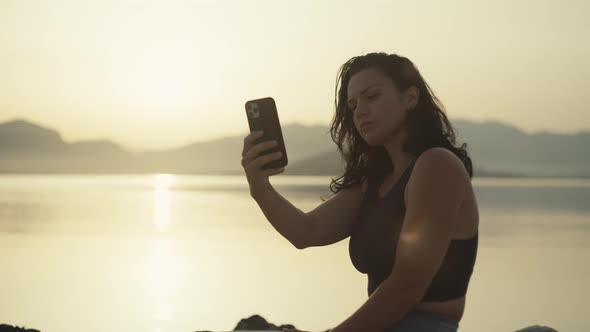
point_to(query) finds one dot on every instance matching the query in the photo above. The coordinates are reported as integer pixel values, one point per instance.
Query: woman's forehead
(364, 79)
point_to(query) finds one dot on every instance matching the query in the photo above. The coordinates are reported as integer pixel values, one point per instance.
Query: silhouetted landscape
(497, 150)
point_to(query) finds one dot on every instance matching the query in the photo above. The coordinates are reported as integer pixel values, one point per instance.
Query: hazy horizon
(233, 134)
(152, 75)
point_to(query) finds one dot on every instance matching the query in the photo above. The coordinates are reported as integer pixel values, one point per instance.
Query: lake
(184, 253)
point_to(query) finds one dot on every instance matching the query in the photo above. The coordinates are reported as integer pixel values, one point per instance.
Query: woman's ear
(411, 97)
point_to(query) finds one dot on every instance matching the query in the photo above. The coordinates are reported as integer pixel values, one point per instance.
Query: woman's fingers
(249, 140)
(274, 171)
(256, 150)
(262, 160)
(255, 157)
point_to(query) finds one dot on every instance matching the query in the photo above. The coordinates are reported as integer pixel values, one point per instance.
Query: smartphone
(262, 115)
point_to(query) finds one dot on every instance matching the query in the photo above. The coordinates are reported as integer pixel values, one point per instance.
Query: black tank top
(375, 235)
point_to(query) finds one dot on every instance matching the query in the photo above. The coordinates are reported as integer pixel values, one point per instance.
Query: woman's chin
(371, 139)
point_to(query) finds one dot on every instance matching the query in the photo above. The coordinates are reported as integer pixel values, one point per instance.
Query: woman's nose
(361, 111)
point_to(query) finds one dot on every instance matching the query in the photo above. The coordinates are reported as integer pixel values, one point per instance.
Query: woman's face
(379, 109)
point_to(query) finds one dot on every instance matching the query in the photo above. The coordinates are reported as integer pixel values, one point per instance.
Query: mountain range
(496, 149)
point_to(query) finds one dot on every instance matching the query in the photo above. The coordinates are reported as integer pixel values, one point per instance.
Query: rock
(10, 328)
(256, 322)
(537, 328)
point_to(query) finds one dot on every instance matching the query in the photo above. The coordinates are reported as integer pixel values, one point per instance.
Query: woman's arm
(328, 223)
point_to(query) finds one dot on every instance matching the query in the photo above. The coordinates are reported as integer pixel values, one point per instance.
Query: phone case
(262, 115)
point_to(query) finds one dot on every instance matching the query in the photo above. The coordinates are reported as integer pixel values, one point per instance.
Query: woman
(405, 198)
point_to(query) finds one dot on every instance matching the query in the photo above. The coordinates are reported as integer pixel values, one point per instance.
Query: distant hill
(24, 138)
(497, 150)
(500, 148)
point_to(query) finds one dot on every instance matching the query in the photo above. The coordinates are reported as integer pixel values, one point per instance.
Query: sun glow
(159, 81)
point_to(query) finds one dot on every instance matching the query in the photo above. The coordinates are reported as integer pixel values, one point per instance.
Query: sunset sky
(158, 74)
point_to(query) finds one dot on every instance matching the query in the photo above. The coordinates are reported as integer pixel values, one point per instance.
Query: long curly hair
(427, 125)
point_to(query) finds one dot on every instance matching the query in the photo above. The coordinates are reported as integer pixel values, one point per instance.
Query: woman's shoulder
(440, 161)
(437, 152)
(437, 156)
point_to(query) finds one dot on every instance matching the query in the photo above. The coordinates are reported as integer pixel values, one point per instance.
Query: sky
(160, 74)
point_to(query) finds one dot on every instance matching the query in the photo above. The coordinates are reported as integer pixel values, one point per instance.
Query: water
(186, 253)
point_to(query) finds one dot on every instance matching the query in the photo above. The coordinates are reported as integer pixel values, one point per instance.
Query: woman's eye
(373, 96)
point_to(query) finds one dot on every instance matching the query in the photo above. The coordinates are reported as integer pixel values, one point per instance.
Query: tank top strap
(373, 183)
(408, 172)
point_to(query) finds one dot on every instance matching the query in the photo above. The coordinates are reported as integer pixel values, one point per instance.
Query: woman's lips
(365, 125)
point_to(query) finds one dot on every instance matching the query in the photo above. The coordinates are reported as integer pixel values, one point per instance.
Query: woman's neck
(399, 158)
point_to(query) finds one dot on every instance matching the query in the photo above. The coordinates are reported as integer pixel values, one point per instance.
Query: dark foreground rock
(257, 322)
(10, 328)
(537, 328)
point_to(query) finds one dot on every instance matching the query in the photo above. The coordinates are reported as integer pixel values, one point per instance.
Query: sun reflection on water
(160, 273)
(160, 269)
(162, 200)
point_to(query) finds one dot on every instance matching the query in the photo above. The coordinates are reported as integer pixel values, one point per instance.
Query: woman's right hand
(253, 160)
